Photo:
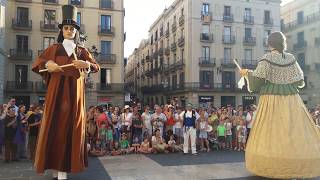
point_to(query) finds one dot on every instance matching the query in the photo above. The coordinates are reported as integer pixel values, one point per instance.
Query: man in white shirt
(189, 129)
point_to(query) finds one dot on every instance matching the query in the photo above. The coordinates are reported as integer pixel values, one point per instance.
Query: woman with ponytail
(284, 140)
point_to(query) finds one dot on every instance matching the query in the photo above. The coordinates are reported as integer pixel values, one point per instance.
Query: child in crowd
(221, 134)
(158, 144)
(241, 131)
(109, 138)
(102, 135)
(228, 126)
(172, 145)
(203, 134)
(145, 146)
(124, 145)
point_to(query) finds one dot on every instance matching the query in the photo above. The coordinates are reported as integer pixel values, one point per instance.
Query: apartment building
(191, 46)
(300, 21)
(3, 54)
(31, 26)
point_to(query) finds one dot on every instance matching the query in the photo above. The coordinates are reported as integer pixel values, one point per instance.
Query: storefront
(205, 101)
(248, 100)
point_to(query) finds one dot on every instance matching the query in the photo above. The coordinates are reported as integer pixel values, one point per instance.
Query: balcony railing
(27, 1)
(206, 37)
(167, 51)
(207, 62)
(226, 39)
(106, 4)
(227, 63)
(268, 22)
(106, 58)
(110, 87)
(174, 27)
(249, 64)
(228, 17)
(106, 30)
(181, 20)
(50, 1)
(248, 19)
(78, 3)
(249, 41)
(21, 54)
(181, 41)
(49, 27)
(19, 86)
(22, 25)
(41, 87)
(300, 46)
(206, 17)
(173, 46)
(306, 20)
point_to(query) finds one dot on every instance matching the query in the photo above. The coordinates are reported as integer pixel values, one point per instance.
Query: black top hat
(69, 16)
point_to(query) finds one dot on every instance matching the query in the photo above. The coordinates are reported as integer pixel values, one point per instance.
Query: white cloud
(140, 14)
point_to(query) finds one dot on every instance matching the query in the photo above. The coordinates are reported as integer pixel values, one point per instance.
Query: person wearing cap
(126, 121)
(284, 141)
(190, 118)
(61, 144)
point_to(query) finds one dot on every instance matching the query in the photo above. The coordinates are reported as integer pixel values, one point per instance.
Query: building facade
(3, 53)
(31, 26)
(300, 21)
(191, 47)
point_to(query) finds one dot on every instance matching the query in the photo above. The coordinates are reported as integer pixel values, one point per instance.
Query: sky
(140, 14)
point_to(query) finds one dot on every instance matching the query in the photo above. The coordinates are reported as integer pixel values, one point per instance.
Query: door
(206, 53)
(105, 47)
(106, 22)
(23, 16)
(49, 16)
(21, 75)
(228, 100)
(228, 80)
(22, 43)
(227, 34)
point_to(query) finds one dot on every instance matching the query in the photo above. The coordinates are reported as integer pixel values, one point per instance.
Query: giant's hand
(53, 67)
(79, 64)
(243, 72)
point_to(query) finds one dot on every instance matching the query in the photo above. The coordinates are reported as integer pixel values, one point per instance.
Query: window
(47, 41)
(75, 2)
(79, 18)
(300, 17)
(301, 60)
(205, 29)
(105, 76)
(21, 73)
(228, 79)
(206, 79)
(267, 33)
(227, 54)
(106, 47)
(300, 38)
(206, 53)
(247, 32)
(227, 34)
(22, 15)
(106, 22)
(22, 42)
(181, 79)
(174, 81)
(227, 11)
(267, 18)
(106, 4)
(174, 58)
(248, 55)
(247, 13)
(49, 16)
(205, 9)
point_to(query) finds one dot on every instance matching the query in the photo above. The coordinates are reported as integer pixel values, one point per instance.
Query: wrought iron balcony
(49, 27)
(207, 62)
(106, 4)
(174, 27)
(249, 41)
(110, 87)
(21, 54)
(300, 46)
(106, 58)
(19, 86)
(206, 37)
(227, 39)
(181, 41)
(249, 64)
(105, 30)
(181, 20)
(227, 63)
(248, 19)
(173, 46)
(50, 1)
(206, 17)
(306, 20)
(21, 24)
(228, 17)
(26, 1)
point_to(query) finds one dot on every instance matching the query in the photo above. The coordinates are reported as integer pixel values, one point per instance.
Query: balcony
(21, 54)
(41, 87)
(26, 1)
(50, 2)
(110, 87)
(161, 51)
(248, 19)
(173, 46)
(174, 27)
(300, 46)
(167, 51)
(106, 4)
(306, 20)
(206, 17)
(181, 41)
(49, 27)
(228, 18)
(181, 20)
(268, 21)
(105, 30)
(249, 64)
(249, 41)
(206, 37)
(17, 86)
(21, 25)
(227, 63)
(207, 62)
(106, 58)
(227, 39)
(167, 33)
(78, 3)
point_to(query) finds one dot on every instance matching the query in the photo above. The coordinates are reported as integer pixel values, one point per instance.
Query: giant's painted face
(69, 32)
